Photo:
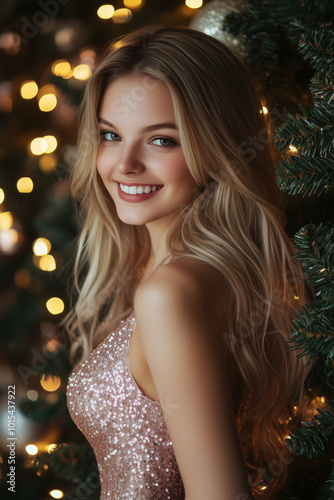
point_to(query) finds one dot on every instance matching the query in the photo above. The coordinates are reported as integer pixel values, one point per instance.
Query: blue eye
(165, 142)
(106, 135)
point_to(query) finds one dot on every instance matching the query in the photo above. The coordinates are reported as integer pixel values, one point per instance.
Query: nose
(129, 160)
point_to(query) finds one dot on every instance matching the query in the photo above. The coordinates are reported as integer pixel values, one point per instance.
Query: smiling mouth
(139, 189)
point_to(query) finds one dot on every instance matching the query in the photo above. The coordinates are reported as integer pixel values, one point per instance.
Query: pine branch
(306, 175)
(311, 131)
(313, 331)
(318, 46)
(315, 246)
(67, 461)
(313, 438)
(323, 88)
(326, 491)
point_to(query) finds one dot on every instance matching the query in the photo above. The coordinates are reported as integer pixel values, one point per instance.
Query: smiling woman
(186, 286)
(142, 150)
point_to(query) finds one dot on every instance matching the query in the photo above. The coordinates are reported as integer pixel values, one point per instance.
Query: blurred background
(48, 50)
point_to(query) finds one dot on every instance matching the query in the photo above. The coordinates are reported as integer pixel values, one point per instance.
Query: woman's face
(140, 159)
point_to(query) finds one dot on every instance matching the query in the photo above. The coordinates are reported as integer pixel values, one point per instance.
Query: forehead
(137, 97)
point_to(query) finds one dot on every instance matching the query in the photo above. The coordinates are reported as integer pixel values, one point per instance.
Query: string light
(50, 383)
(56, 494)
(47, 102)
(62, 68)
(82, 72)
(132, 4)
(29, 89)
(55, 305)
(31, 449)
(293, 149)
(264, 110)
(122, 16)
(38, 146)
(6, 221)
(105, 11)
(194, 4)
(51, 142)
(41, 246)
(25, 185)
(47, 263)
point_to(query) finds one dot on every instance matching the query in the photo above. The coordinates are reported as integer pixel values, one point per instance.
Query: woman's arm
(190, 375)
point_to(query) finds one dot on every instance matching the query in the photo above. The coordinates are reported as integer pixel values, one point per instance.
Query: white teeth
(138, 189)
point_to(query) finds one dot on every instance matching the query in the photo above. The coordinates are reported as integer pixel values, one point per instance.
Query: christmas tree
(282, 35)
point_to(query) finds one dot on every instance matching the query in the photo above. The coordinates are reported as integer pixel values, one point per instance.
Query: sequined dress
(126, 429)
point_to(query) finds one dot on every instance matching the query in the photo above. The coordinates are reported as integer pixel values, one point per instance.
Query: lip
(135, 198)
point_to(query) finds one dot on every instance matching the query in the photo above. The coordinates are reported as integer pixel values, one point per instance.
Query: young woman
(186, 286)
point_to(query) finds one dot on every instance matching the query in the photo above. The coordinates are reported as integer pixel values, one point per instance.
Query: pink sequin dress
(125, 428)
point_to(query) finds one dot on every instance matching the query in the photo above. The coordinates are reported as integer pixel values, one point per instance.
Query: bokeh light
(31, 449)
(122, 16)
(29, 89)
(25, 185)
(132, 4)
(2, 195)
(47, 102)
(105, 11)
(51, 142)
(82, 72)
(50, 383)
(47, 263)
(62, 68)
(56, 493)
(55, 305)
(41, 246)
(38, 146)
(47, 163)
(6, 221)
(194, 4)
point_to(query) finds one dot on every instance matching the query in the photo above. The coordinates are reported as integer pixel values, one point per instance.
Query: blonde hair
(233, 223)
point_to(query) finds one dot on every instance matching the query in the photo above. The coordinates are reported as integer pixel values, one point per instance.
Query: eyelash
(172, 142)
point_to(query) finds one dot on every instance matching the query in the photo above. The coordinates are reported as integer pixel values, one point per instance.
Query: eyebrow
(145, 129)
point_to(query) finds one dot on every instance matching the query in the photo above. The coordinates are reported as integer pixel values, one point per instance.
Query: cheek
(102, 164)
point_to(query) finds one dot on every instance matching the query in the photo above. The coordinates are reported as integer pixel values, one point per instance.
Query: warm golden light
(264, 110)
(47, 263)
(82, 72)
(25, 185)
(41, 246)
(62, 68)
(2, 195)
(293, 149)
(194, 4)
(47, 163)
(51, 142)
(56, 494)
(38, 146)
(122, 16)
(50, 383)
(51, 447)
(132, 4)
(31, 449)
(47, 102)
(55, 305)
(105, 11)
(6, 221)
(29, 89)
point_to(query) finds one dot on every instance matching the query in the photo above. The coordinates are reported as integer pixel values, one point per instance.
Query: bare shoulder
(185, 286)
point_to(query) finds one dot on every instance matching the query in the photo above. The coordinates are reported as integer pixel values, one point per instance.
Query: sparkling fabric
(125, 428)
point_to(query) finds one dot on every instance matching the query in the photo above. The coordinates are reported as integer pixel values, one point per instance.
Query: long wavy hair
(234, 223)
